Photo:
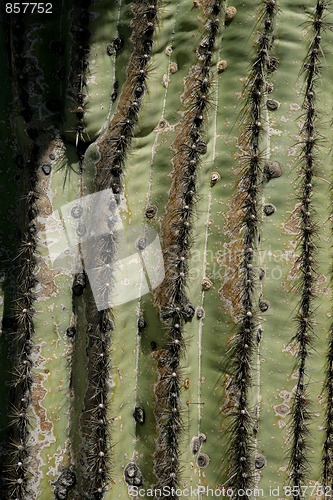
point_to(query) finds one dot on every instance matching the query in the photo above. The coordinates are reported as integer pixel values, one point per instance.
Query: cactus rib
(113, 145)
(23, 309)
(241, 447)
(79, 64)
(175, 308)
(22, 339)
(298, 464)
(115, 141)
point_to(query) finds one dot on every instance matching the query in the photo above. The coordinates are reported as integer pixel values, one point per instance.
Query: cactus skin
(100, 416)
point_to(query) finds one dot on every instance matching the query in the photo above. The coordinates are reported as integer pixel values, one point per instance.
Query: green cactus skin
(63, 435)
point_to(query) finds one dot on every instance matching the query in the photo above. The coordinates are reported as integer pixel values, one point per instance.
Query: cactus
(166, 250)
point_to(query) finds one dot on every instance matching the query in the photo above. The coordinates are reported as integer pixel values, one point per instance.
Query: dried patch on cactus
(293, 224)
(229, 291)
(229, 294)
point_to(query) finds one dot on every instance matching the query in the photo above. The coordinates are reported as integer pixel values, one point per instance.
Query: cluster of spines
(95, 423)
(96, 430)
(327, 456)
(241, 464)
(21, 326)
(298, 462)
(22, 342)
(15, 32)
(80, 51)
(175, 308)
(118, 136)
(327, 459)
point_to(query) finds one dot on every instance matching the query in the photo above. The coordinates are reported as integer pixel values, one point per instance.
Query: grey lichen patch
(165, 80)
(291, 348)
